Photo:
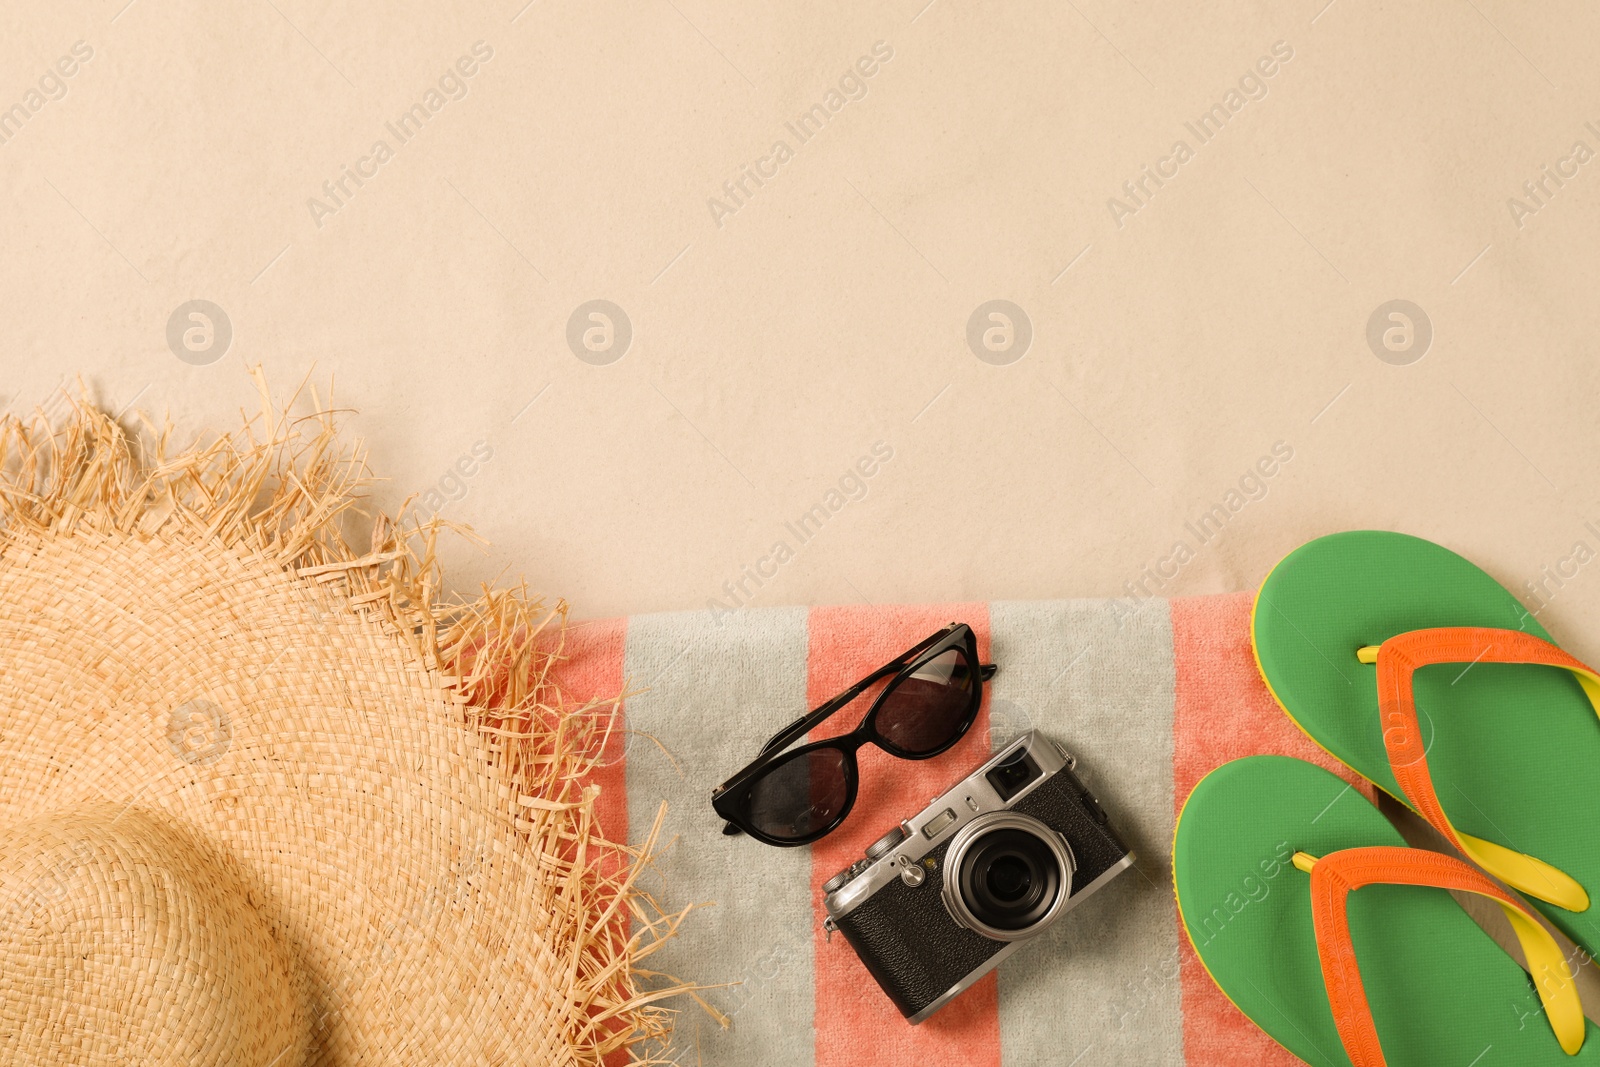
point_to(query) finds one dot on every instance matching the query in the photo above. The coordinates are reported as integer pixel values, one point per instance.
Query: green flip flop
(1423, 674)
(1311, 914)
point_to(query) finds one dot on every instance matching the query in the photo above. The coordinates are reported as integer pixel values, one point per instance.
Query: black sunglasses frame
(731, 799)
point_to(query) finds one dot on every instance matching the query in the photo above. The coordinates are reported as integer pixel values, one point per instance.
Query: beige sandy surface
(797, 211)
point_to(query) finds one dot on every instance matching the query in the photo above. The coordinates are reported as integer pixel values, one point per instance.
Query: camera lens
(1007, 875)
(1009, 878)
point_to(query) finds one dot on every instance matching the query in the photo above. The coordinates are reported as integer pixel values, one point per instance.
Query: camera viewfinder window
(1010, 777)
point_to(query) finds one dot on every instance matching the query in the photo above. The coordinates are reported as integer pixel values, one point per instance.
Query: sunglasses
(795, 796)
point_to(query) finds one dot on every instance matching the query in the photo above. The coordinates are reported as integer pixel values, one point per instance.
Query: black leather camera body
(942, 898)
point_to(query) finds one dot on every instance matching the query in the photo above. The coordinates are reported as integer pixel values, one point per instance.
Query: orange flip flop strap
(1336, 875)
(1398, 659)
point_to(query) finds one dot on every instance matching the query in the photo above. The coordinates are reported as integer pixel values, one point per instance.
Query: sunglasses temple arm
(986, 671)
(730, 830)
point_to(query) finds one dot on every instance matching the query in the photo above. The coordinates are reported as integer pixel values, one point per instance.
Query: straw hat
(264, 801)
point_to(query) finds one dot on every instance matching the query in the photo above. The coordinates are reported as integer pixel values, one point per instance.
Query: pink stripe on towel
(593, 671)
(1223, 711)
(855, 1020)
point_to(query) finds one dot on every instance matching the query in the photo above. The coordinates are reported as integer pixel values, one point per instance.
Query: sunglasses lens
(928, 708)
(800, 796)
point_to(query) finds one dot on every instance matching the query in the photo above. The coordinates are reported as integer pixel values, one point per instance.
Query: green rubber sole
(1442, 991)
(1514, 750)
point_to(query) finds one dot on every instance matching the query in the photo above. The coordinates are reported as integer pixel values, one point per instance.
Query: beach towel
(1149, 695)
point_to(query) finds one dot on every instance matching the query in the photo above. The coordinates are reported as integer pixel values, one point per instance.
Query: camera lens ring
(971, 836)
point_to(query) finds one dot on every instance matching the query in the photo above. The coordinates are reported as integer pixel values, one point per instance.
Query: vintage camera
(942, 898)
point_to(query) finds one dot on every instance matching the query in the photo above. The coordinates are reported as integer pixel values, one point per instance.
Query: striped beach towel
(1148, 700)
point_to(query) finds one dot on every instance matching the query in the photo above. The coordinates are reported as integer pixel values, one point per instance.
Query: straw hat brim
(190, 652)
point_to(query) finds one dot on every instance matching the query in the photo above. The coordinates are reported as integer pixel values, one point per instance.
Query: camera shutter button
(887, 842)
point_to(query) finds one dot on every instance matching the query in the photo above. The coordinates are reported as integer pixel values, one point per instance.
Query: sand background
(778, 337)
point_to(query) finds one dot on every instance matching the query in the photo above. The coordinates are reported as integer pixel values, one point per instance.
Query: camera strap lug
(828, 928)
